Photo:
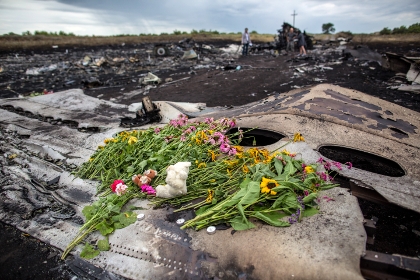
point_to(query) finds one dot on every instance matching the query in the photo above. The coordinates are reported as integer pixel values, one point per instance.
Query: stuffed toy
(144, 179)
(176, 180)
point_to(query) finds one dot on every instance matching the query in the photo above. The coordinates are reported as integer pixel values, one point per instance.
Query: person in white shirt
(246, 40)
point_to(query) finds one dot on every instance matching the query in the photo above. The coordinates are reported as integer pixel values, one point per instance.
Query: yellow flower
(210, 195)
(309, 169)
(239, 149)
(132, 140)
(107, 140)
(212, 180)
(285, 152)
(229, 172)
(268, 159)
(101, 147)
(268, 183)
(245, 169)
(202, 164)
(231, 163)
(273, 193)
(203, 135)
(298, 137)
(91, 159)
(212, 154)
(265, 190)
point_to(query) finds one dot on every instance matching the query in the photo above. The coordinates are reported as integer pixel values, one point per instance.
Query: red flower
(114, 185)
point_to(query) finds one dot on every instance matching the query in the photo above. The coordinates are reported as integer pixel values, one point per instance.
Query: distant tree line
(175, 32)
(414, 28)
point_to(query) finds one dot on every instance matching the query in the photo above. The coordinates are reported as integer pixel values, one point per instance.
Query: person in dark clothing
(301, 44)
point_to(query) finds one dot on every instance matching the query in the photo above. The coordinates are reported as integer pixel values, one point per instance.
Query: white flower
(121, 189)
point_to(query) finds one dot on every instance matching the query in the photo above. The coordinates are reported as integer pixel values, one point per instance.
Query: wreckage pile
(118, 68)
(226, 183)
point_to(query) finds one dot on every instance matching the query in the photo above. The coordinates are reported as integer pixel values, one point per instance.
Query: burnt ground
(261, 74)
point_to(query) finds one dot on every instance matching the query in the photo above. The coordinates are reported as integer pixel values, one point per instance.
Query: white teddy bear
(176, 180)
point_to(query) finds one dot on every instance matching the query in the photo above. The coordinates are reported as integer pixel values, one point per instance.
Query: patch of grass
(17, 42)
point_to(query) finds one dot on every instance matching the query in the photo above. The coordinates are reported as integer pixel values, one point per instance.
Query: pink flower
(349, 165)
(157, 130)
(148, 189)
(224, 148)
(182, 138)
(232, 152)
(211, 141)
(208, 120)
(114, 185)
(327, 165)
(338, 165)
(320, 160)
(232, 123)
(193, 128)
(323, 176)
(305, 192)
(219, 137)
(119, 187)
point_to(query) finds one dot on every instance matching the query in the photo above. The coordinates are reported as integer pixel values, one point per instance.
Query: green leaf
(278, 165)
(113, 208)
(124, 219)
(310, 197)
(103, 245)
(238, 223)
(89, 211)
(105, 228)
(142, 165)
(286, 200)
(271, 219)
(89, 252)
(129, 158)
(297, 164)
(202, 209)
(328, 186)
(265, 169)
(310, 211)
(281, 188)
(293, 186)
(252, 193)
(289, 169)
(245, 183)
(130, 169)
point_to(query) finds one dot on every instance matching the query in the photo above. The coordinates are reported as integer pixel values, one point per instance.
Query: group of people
(291, 36)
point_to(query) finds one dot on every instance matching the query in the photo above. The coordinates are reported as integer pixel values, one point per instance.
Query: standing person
(246, 40)
(291, 35)
(301, 44)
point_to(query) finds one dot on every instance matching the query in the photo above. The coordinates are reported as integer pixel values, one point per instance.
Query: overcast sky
(112, 17)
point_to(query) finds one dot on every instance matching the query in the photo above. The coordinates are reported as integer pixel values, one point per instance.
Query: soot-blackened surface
(23, 257)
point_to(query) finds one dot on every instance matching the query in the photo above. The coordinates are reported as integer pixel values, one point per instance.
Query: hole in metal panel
(255, 137)
(363, 160)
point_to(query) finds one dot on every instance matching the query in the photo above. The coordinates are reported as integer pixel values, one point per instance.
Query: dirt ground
(260, 75)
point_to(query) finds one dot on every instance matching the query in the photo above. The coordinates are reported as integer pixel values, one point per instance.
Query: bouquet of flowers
(231, 183)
